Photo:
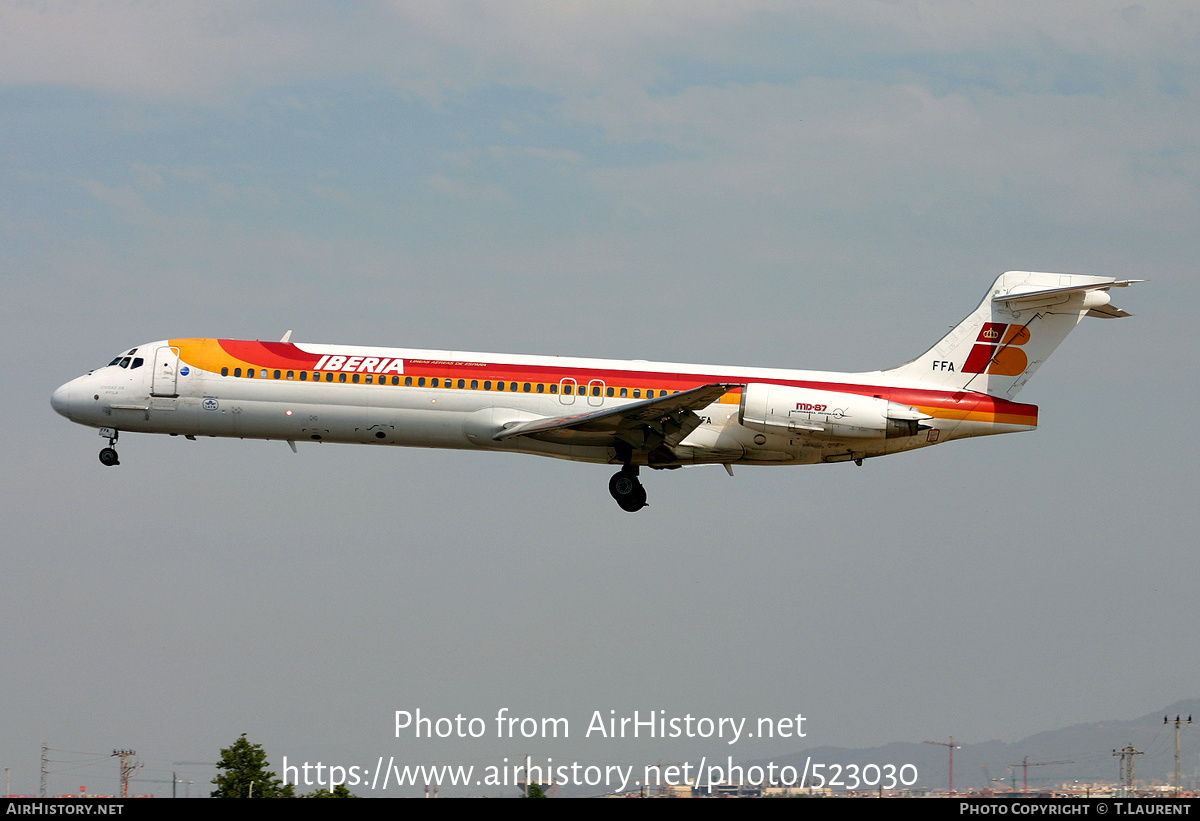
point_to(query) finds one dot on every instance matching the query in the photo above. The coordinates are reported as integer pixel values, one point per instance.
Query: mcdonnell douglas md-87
(631, 414)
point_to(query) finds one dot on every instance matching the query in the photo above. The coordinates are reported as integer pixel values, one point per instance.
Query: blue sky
(817, 184)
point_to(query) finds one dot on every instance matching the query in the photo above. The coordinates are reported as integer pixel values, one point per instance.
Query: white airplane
(628, 413)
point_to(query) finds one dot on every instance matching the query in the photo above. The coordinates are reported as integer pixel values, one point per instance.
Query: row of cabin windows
(462, 384)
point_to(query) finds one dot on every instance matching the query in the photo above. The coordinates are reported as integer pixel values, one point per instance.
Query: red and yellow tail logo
(996, 350)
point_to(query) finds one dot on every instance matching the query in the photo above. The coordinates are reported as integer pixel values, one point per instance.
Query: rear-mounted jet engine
(805, 412)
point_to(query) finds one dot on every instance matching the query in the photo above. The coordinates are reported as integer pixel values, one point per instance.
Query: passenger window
(237, 371)
(291, 374)
(277, 374)
(224, 371)
(249, 373)
(609, 392)
(595, 390)
(433, 383)
(650, 394)
(541, 388)
(303, 376)
(263, 374)
(637, 393)
(421, 382)
(369, 379)
(499, 386)
(462, 383)
(355, 379)
(474, 384)
(527, 387)
(624, 392)
(408, 381)
(487, 384)
(395, 380)
(328, 377)
(342, 377)
(566, 389)
(554, 387)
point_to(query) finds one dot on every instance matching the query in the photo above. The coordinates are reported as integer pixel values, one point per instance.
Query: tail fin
(1020, 322)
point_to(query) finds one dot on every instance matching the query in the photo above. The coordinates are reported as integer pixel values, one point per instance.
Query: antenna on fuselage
(287, 336)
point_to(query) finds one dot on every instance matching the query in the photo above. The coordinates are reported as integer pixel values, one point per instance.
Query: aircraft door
(164, 379)
(567, 388)
(595, 392)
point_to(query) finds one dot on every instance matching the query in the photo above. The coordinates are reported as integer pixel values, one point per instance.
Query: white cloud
(145, 48)
(858, 145)
(433, 49)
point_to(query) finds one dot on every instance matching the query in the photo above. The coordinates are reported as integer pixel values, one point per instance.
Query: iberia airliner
(632, 414)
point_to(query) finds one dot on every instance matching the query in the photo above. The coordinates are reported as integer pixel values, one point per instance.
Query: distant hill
(1088, 746)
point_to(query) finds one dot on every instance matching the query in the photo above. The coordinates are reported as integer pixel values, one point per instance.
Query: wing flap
(624, 420)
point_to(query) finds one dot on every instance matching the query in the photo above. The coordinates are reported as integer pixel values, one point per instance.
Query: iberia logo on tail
(996, 350)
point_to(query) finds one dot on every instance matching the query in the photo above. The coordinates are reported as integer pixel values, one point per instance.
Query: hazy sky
(815, 184)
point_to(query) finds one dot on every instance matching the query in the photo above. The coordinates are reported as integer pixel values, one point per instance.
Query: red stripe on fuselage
(270, 354)
(287, 355)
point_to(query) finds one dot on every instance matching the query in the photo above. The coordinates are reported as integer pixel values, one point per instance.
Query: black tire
(108, 457)
(628, 491)
(634, 502)
(623, 485)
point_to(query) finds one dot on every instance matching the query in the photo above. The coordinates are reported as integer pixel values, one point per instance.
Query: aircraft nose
(61, 399)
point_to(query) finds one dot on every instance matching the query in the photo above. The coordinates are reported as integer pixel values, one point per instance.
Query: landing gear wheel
(622, 484)
(108, 457)
(627, 490)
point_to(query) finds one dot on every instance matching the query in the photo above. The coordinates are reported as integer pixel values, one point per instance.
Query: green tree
(246, 774)
(339, 791)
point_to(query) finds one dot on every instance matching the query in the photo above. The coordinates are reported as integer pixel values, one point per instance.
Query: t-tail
(1019, 323)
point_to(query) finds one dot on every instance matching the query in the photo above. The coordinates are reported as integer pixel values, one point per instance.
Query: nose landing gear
(108, 456)
(627, 490)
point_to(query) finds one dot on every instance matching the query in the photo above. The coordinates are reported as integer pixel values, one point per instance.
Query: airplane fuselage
(629, 413)
(451, 399)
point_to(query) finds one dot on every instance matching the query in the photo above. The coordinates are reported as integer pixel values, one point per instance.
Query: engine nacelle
(809, 413)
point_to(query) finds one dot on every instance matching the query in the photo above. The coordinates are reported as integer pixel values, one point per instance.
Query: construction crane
(952, 747)
(1026, 764)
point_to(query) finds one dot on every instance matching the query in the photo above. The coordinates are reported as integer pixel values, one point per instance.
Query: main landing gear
(627, 490)
(108, 456)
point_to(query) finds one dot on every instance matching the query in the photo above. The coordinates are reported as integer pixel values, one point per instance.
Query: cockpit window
(137, 362)
(124, 359)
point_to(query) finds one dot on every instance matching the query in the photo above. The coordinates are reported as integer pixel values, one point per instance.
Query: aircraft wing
(643, 425)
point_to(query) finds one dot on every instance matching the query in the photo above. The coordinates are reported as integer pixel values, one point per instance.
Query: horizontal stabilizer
(1094, 297)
